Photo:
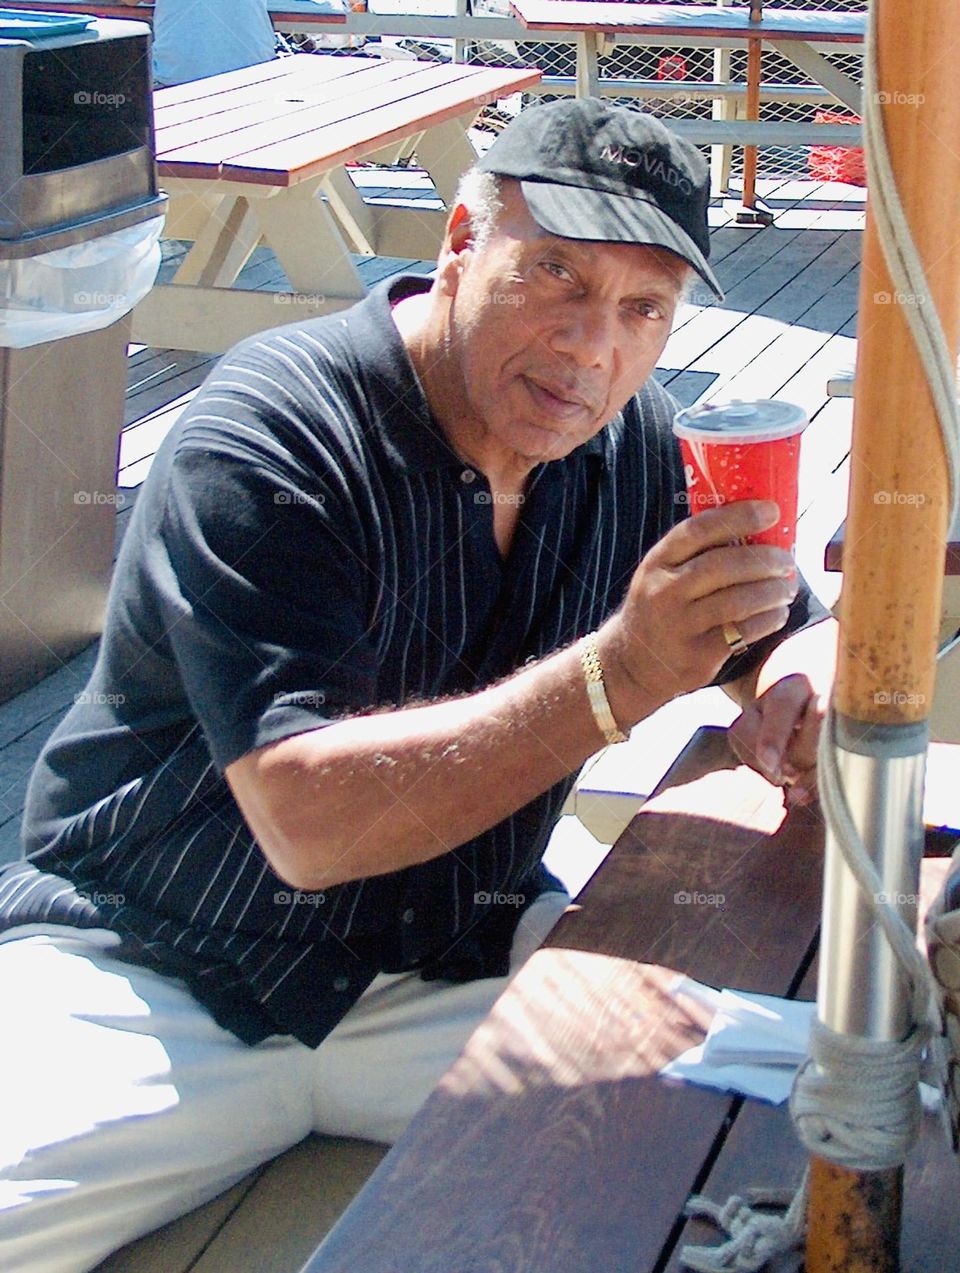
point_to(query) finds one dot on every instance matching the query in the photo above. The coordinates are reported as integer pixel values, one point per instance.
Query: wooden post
(897, 521)
(754, 58)
(748, 213)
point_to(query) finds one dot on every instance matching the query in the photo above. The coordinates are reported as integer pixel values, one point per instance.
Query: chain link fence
(686, 67)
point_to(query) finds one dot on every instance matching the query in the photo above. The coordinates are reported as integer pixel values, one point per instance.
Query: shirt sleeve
(267, 579)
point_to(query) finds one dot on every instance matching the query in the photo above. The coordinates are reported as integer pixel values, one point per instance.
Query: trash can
(80, 222)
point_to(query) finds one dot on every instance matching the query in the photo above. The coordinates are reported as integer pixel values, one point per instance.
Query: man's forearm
(380, 792)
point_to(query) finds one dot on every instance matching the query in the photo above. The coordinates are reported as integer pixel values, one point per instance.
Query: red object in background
(837, 163)
(672, 67)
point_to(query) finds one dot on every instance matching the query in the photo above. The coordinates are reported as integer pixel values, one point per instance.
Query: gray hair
(480, 192)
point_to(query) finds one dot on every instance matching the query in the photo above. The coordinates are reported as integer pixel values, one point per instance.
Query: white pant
(123, 1104)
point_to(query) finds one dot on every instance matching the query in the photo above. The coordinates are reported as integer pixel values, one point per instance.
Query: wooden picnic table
(551, 1145)
(799, 35)
(260, 154)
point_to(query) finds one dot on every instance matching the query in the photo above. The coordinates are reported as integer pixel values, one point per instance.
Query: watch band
(596, 690)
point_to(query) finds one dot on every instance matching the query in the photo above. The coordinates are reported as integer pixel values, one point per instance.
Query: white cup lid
(763, 420)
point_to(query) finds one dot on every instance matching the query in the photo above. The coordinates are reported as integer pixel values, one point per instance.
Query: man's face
(552, 336)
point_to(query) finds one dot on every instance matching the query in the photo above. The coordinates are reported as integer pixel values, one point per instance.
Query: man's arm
(380, 792)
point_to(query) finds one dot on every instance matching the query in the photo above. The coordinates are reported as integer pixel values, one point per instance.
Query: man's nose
(586, 334)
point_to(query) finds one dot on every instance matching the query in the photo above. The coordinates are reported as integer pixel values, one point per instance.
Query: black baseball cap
(611, 174)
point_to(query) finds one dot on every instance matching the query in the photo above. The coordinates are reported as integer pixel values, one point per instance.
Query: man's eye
(648, 309)
(556, 270)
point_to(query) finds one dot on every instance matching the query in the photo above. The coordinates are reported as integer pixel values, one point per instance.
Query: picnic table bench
(551, 1145)
(260, 153)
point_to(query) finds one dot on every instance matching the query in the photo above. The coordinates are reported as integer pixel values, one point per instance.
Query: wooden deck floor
(786, 326)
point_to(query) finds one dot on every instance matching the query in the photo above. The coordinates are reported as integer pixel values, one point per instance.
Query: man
(393, 577)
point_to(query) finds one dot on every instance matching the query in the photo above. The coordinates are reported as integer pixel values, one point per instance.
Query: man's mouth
(557, 399)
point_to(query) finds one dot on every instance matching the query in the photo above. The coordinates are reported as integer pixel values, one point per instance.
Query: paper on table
(754, 1045)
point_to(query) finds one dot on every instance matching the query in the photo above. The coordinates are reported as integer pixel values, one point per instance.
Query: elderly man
(394, 576)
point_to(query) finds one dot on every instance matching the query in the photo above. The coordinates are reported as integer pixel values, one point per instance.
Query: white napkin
(754, 1045)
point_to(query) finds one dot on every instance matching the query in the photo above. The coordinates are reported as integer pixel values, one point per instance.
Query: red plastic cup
(744, 450)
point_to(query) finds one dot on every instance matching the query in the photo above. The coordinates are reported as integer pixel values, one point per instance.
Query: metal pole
(890, 605)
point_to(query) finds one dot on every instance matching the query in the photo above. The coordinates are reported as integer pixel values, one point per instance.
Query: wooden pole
(897, 521)
(748, 214)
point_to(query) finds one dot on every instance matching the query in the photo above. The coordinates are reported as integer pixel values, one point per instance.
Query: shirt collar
(411, 433)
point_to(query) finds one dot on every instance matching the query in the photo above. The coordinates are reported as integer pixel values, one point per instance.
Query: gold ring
(734, 639)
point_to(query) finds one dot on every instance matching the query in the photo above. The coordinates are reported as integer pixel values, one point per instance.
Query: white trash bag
(80, 288)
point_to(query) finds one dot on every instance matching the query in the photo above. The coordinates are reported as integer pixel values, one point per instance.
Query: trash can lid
(23, 24)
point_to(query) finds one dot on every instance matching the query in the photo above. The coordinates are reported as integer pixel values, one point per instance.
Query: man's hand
(667, 638)
(778, 731)
(777, 735)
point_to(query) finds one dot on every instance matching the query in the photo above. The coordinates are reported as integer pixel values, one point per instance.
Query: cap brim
(573, 212)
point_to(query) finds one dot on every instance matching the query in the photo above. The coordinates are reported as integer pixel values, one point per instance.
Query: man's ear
(459, 233)
(458, 237)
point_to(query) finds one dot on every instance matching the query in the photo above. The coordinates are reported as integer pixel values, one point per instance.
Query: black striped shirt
(307, 546)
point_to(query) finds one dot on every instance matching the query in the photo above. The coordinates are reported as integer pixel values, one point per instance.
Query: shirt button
(408, 915)
(468, 475)
(340, 984)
